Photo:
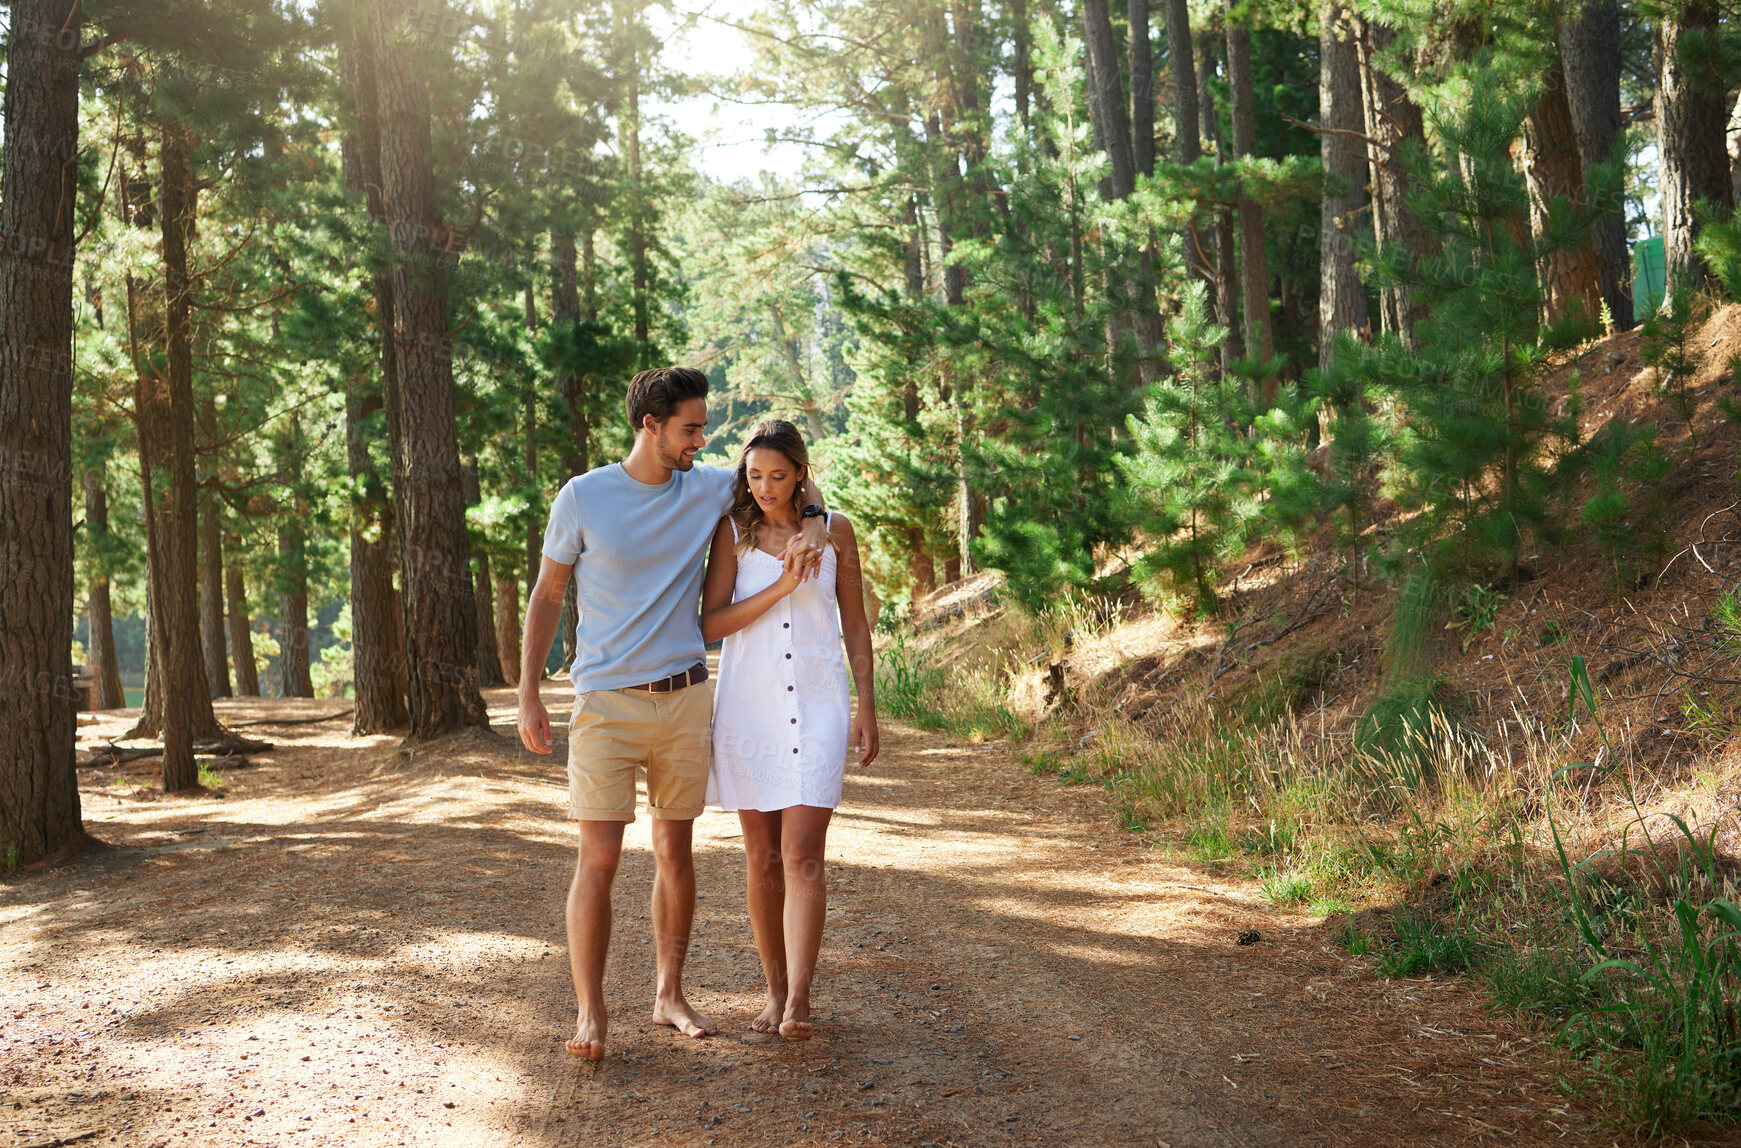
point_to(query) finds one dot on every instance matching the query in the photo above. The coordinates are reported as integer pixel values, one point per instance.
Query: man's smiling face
(681, 435)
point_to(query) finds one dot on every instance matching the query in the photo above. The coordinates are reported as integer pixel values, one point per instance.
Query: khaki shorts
(614, 733)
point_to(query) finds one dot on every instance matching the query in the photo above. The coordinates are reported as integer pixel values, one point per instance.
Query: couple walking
(782, 586)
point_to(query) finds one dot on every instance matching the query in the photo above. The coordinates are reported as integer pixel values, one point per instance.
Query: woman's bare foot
(796, 1024)
(589, 1038)
(677, 1013)
(768, 1020)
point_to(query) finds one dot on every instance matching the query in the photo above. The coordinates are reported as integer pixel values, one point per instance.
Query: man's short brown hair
(657, 392)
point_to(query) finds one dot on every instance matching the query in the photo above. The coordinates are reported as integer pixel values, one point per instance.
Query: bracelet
(812, 511)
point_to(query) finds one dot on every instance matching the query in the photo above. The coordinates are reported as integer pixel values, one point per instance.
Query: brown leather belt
(693, 676)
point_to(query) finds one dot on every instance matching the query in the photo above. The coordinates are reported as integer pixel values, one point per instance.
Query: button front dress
(782, 705)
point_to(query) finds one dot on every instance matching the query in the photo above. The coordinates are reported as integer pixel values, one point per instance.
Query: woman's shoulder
(840, 530)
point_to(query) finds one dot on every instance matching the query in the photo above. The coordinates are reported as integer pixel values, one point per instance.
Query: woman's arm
(855, 631)
(719, 614)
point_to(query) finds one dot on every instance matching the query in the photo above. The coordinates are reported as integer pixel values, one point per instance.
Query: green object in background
(1649, 276)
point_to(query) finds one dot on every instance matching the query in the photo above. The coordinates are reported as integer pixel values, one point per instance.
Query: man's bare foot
(589, 1038)
(680, 1016)
(768, 1020)
(796, 1025)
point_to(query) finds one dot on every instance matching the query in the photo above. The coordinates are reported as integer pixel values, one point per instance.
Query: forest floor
(347, 946)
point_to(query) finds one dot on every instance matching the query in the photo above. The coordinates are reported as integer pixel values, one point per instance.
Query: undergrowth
(1485, 842)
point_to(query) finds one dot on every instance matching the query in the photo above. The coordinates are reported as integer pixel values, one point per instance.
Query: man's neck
(643, 463)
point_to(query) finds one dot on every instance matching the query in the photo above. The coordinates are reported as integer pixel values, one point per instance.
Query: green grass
(10, 861)
(1289, 888)
(210, 778)
(1423, 944)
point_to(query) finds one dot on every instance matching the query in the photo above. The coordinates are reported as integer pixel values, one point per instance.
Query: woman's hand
(864, 734)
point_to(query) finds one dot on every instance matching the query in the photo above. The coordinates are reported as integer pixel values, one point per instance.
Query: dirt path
(348, 948)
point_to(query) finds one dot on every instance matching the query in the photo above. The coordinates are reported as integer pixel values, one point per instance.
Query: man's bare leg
(673, 922)
(803, 839)
(766, 895)
(589, 930)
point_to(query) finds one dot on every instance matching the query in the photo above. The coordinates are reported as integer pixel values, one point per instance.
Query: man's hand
(813, 533)
(535, 725)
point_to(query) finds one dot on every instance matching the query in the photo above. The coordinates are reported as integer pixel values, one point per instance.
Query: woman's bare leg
(803, 838)
(766, 894)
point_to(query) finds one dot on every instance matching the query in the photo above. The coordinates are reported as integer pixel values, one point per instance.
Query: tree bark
(1691, 118)
(378, 660)
(39, 799)
(1140, 58)
(1226, 251)
(211, 574)
(1392, 120)
(1341, 295)
(508, 628)
(187, 703)
(489, 657)
(293, 676)
(1253, 260)
(1590, 49)
(377, 639)
(1552, 168)
(241, 636)
(105, 665)
(435, 568)
(1105, 97)
(1187, 130)
(564, 314)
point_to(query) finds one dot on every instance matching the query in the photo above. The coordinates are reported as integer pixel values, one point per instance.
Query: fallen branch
(292, 721)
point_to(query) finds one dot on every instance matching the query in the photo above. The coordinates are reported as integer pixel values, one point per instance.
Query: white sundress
(782, 706)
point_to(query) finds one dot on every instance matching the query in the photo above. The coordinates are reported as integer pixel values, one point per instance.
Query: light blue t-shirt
(637, 552)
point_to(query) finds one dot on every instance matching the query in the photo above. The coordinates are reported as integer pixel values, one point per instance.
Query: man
(635, 534)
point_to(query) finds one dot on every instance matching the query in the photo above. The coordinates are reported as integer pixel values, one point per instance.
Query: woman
(781, 712)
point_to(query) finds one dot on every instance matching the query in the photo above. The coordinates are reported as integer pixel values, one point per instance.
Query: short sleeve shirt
(638, 554)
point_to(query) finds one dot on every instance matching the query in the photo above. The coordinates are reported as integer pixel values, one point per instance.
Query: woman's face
(772, 478)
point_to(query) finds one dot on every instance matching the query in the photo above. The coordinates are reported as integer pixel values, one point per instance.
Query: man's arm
(543, 615)
(814, 531)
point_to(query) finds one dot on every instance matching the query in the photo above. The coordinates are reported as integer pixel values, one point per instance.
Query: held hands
(535, 725)
(800, 561)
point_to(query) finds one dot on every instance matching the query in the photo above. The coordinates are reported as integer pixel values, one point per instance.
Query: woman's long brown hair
(769, 434)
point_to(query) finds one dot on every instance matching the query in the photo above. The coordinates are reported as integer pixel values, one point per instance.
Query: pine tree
(1473, 453)
(1189, 469)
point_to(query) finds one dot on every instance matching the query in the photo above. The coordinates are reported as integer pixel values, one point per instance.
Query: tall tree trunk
(1341, 295)
(484, 594)
(1022, 61)
(1253, 260)
(1188, 131)
(1226, 250)
(293, 674)
(241, 636)
(1140, 57)
(629, 141)
(377, 638)
(1570, 279)
(1105, 96)
(507, 623)
(105, 664)
(564, 314)
(435, 572)
(39, 798)
(1392, 120)
(1691, 117)
(1590, 47)
(211, 573)
(187, 702)
(378, 660)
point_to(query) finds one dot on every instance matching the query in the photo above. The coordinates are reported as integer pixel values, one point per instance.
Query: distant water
(135, 697)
